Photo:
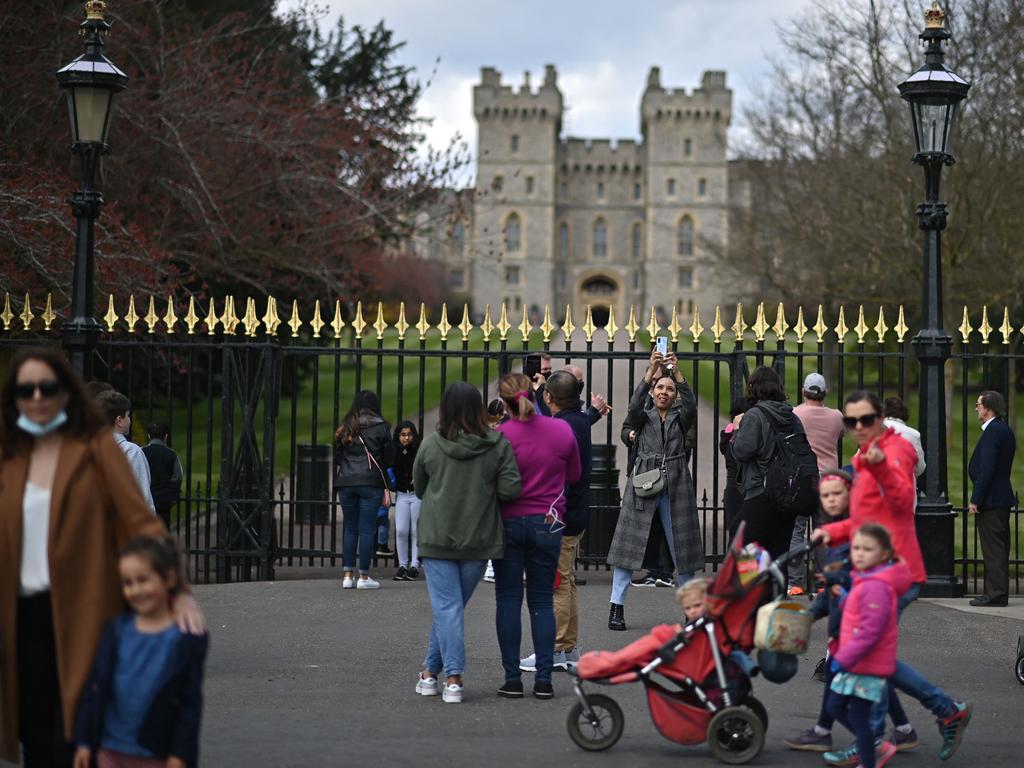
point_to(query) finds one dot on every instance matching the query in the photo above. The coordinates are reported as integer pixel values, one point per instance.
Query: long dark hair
(365, 403)
(415, 436)
(764, 384)
(83, 420)
(163, 556)
(462, 410)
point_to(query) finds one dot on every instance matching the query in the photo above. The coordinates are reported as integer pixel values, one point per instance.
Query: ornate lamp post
(934, 93)
(91, 81)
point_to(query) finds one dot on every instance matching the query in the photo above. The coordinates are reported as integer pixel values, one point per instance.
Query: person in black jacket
(407, 503)
(362, 454)
(732, 499)
(144, 695)
(164, 471)
(993, 496)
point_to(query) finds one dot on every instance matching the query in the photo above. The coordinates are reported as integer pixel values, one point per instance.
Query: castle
(569, 221)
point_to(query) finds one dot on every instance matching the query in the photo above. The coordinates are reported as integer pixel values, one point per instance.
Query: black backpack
(791, 476)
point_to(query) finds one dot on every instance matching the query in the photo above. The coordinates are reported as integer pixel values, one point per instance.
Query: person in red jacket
(884, 492)
(868, 639)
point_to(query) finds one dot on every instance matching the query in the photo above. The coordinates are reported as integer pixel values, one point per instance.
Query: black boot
(617, 618)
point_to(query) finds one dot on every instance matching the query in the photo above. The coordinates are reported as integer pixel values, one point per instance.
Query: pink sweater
(548, 460)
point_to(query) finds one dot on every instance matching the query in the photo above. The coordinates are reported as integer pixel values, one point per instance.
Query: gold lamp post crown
(934, 17)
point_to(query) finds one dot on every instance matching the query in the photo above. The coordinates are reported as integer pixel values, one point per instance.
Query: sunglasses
(867, 420)
(46, 389)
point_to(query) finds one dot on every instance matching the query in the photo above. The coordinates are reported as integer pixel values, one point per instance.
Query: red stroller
(709, 696)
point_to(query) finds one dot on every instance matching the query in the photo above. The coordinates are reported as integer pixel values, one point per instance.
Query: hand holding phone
(661, 345)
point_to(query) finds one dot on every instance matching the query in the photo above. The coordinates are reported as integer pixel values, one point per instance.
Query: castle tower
(685, 137)
(513, 222)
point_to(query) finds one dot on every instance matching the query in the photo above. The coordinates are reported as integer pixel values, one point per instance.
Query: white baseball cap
(815, 383)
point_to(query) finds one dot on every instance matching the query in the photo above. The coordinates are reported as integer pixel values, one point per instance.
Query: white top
(987, 422)
(35, 534)
(140, 467)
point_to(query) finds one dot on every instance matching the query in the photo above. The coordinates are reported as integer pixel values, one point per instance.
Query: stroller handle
(798, 551)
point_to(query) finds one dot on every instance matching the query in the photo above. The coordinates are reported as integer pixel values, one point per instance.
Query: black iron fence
(253, 401)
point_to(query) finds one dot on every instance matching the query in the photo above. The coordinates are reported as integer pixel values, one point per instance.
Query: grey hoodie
(752, 445)
(461, 483)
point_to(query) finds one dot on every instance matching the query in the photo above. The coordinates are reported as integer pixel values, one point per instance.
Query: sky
(602, 49)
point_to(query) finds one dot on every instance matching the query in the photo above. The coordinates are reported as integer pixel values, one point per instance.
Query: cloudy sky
(602, 50)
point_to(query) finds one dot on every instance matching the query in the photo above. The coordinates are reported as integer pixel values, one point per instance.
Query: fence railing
(252, 401)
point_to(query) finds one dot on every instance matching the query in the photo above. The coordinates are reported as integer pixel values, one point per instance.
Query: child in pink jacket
(868, 639)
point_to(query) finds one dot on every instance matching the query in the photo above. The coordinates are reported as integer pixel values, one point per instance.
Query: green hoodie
(461, 483)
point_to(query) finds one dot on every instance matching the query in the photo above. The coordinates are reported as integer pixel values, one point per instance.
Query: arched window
(458, 238)
(638, 242)
(600, 239)
(563, 241)
(686, 236)
(512, 230)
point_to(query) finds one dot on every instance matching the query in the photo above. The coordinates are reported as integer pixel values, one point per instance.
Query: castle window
(529, 185)
(563, 241)
(563, 190)
(515, 143)
(670, 187)
(458, 238)
(517, 303)
(686, 277)
(512, 231)
(512, 276)
(457, 279)
(686, 236)
(498, 184)
(637, 191)
(637, 242)
(636, 280)
(600, 248)
(687, 147)
(561, 278)
(702, 187)
(600, 190)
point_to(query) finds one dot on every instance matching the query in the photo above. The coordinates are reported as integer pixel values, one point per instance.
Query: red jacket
(869, 635)
(884, 493)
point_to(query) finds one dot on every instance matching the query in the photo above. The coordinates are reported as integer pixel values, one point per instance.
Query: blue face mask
(41, 430)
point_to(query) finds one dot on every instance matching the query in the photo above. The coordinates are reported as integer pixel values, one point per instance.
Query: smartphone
(661, 345)
(531, 367)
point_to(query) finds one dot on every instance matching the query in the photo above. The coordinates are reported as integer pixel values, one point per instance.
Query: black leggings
(765, 525)
(40, 722)
(855, 714)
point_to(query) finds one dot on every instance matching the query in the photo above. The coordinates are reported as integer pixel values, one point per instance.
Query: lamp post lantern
(934, 93)
(90, 81)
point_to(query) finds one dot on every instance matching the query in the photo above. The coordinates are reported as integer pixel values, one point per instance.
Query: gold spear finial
(26, 312)
(487, 326)
(271, 320)
(965, 327)
(567, 326)
(151, 318)
(250, 322)
(317, 323)
(525, 329)
(984, 329)
(631, 325)
(801, 327)
(191, 318)
(7, 316)
(443, 325)
(48, 314)
(861, 328)
(739, 328)
(760, 326)
(934, 17)
(610, 328)
(674, 327)
(422, 325)
(465, 326)
(295, 323)
(588, 325)
(228, 319)
(380, 325)
(881, 328)
(696, 329)
(653, 329)
(547, 327)
(781, 326)
(819, 328)
(901, 326)
(716, 327)
(401, 326)
(111, 317)
(337, 323)
(358, 323)
(841, 328)
(1005, 328)
(170, 318)
(504, 326)
(211, 317)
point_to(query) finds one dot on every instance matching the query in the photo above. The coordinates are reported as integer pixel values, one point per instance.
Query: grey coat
(753, 442)
(637, 513)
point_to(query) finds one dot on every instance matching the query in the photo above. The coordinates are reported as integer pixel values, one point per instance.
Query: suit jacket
(990, 467)
(96, 505)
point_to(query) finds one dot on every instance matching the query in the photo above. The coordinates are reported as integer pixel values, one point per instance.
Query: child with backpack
(407, 503)
(834, 492)
(142, 704)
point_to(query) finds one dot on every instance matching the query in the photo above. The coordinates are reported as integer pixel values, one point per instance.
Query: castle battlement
(711, 101)
(576, 153)
(494, 100)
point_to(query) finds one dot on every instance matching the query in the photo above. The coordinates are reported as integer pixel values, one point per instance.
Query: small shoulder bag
(386, 498)
(649, 483)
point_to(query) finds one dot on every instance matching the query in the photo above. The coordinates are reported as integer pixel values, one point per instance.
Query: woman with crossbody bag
(661, 412)
(362, 454)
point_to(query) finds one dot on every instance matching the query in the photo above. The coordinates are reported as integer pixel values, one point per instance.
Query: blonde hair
(516, 392)
(697, 584)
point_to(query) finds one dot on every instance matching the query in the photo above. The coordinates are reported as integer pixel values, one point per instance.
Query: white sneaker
(427, 686)
(529, 664)
(489, 573)
(567, 659)
(368, 583)
(452, 694)
(348, 583)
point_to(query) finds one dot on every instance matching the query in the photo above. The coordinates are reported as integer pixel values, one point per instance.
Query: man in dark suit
(993, 496)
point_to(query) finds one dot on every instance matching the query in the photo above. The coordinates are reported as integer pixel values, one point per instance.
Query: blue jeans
(530, 546)
(450, 584)
(621, 576)
(359, 505)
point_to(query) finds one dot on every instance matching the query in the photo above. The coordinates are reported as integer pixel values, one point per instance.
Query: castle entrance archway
(601, 292)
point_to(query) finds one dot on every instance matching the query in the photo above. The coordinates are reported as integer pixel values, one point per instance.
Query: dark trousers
(765, 525)
(855, 715)
(994, 531)
(40, 722)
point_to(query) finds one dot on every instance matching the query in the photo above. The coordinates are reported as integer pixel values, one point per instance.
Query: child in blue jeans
(143, 702)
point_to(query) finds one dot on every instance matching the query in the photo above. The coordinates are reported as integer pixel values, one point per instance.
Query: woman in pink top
(548, 460)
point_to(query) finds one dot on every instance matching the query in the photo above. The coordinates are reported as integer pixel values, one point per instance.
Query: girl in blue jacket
(142, 705)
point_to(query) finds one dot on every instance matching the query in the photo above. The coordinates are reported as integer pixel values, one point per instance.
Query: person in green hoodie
(462, 472)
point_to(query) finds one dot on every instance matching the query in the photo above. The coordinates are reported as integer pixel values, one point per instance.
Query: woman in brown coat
(68, 500)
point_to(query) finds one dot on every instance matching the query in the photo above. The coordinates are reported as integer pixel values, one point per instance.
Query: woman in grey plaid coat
(661, 412)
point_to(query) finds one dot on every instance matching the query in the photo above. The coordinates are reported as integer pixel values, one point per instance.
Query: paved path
(303, 674)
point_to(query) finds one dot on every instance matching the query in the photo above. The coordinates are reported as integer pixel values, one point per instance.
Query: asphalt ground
(302, 673)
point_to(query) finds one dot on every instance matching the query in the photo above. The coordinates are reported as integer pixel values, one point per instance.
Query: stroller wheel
(1020, 670)
(758, 709)
(735, 735)
(603, 731)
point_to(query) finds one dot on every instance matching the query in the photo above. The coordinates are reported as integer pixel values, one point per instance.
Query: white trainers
(348, 583)
(567, 659)
(489, 573)
(368, 583)
(427, 686)
(529, 664)
(452, 694)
